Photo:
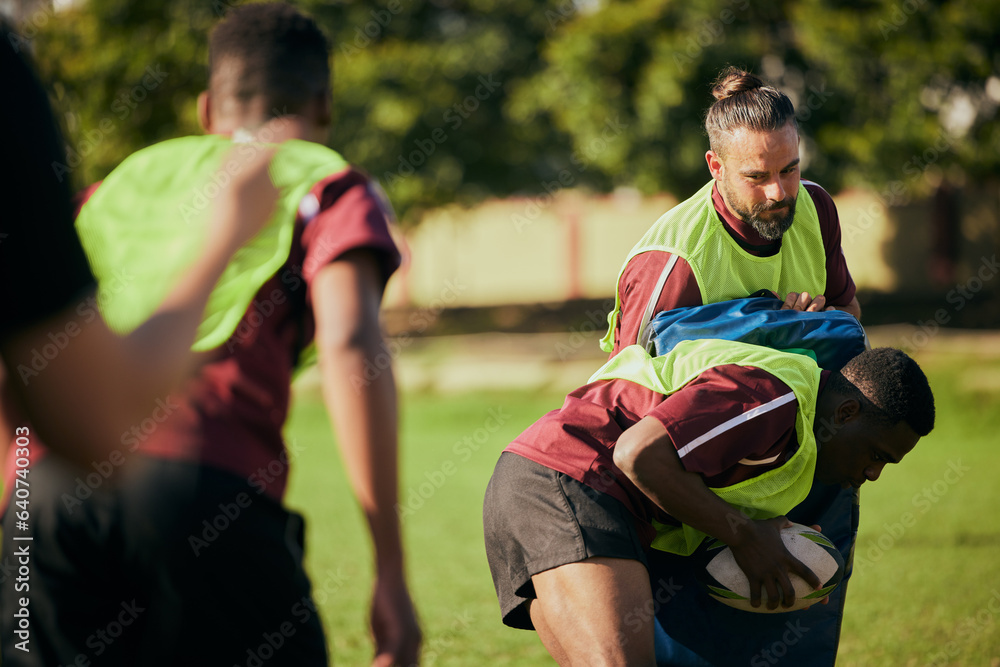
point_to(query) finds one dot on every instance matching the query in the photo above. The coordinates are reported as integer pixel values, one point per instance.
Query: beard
(771, 226)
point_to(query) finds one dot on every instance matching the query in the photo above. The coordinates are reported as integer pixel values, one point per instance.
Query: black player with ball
(661, 452)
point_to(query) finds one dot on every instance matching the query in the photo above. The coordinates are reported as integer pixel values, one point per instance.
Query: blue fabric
(693, 630)
(670, 652)
(831, 337)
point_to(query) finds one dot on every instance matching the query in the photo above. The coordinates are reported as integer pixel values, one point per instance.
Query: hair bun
(733, 80)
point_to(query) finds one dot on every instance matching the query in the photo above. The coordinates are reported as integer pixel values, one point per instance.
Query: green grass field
(926, 589)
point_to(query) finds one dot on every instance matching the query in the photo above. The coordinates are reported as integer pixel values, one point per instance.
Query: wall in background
(571, 245)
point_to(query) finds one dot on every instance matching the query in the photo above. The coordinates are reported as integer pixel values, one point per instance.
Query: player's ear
(205, 111)
(847, 410)
(714, 164)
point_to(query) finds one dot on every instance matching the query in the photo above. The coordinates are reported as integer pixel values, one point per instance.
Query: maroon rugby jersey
(681, 289)
(709, 421)
(231, 414)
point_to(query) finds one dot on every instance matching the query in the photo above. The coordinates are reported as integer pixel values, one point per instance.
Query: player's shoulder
(818, 193)
(751, 382)
(826, 209)
(815, 189)
(349, 187)
(741, 370)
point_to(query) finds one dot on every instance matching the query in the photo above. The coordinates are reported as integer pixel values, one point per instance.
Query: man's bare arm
(346, 296)
(647, 456)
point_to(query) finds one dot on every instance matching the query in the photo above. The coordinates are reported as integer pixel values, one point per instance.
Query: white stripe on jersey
(734, 422)
(760, 462)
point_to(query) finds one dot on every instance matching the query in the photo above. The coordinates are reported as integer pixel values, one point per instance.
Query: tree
(418, 95)
(872, 81)
(455, 100)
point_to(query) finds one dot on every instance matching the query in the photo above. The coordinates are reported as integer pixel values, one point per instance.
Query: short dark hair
(276, 54)
(744, 100)
(891, 388)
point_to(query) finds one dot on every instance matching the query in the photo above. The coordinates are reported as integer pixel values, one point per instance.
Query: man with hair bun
(742, 220)
(757, 225)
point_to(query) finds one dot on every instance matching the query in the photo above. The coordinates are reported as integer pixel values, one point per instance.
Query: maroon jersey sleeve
(636, 285)
(840, 286)
(730, 423)
(346, 212)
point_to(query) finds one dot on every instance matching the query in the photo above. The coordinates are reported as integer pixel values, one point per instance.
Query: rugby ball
(725, 581)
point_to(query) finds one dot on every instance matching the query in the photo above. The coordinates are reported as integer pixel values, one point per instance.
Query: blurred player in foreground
(193, 547)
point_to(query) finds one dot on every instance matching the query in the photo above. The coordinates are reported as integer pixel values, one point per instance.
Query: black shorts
(176, 564)
(535, 519)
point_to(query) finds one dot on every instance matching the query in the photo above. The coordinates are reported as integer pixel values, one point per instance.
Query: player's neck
(275, 130)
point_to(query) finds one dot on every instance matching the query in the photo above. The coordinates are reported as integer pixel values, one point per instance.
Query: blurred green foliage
(456, 100)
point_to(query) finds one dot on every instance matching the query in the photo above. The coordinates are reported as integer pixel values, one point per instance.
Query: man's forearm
(364, 414)
(346, 298)
(854, 308)
(647, 457)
